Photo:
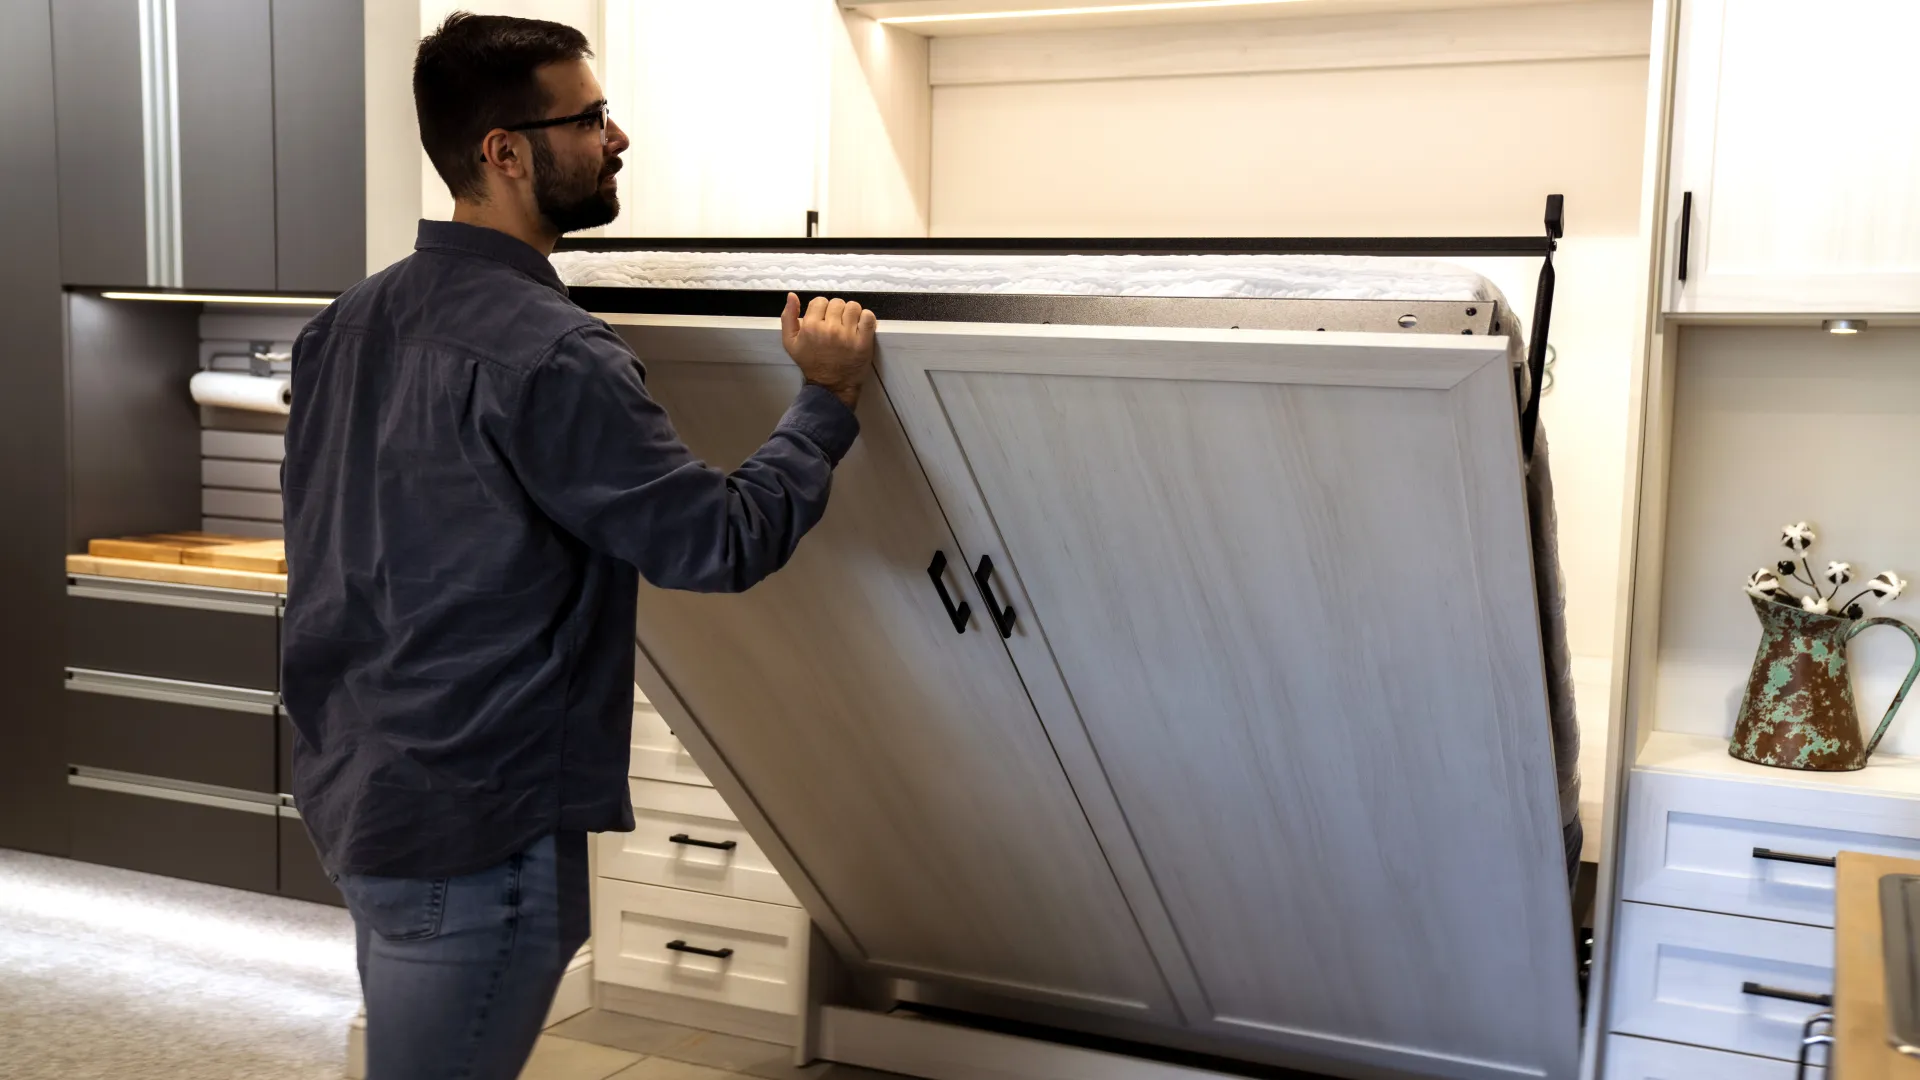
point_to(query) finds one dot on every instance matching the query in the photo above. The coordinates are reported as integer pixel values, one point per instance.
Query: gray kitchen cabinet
(319, 144)
(97, 110)
(224, 73)
(221, 149)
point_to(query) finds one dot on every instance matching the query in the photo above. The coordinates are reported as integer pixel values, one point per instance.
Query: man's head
(484, 87)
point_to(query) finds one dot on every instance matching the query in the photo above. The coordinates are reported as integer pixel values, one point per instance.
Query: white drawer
(1629, 1058)
(656, 754)
(1691, 843)
(675, 828)
(642, 934)
(1683, 976)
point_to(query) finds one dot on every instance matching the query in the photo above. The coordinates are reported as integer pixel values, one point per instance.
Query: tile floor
(597, 1045)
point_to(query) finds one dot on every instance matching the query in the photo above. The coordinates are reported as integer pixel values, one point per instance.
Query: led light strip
(1110, 9)
(215, 298)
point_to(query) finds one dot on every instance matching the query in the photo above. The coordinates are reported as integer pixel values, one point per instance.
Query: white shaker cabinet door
(897, 761)
(1282, 583)
(1795, 178)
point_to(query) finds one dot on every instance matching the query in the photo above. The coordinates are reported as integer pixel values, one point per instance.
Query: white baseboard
(705, 1015)
(574, 997)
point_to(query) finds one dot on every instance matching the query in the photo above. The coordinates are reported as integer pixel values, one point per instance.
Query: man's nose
(617, 141)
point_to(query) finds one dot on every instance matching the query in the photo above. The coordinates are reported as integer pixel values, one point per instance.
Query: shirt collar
(489, 243)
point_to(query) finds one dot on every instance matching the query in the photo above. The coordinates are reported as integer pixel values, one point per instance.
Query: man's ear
(502, 150)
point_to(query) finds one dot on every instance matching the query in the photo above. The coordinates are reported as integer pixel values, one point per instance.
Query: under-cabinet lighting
(1844, 326)
(1107, 9)
(216, 298)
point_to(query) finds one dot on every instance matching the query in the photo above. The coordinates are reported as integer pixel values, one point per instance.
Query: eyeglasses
(597, 114)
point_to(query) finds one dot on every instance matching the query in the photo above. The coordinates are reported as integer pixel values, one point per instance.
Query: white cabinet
(1171, 759)
(708, 948)
(1795, 178)
(747, 115)
(692, 923)
(1719, 981)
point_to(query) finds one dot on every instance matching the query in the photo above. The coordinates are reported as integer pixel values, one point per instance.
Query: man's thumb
(790, 319)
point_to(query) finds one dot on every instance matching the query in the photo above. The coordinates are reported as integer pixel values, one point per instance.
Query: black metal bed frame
(1005, 307)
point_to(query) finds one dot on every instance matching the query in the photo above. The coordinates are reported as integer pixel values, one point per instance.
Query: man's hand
(832, 344)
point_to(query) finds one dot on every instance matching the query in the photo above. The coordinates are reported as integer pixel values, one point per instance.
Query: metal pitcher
(1798, 712)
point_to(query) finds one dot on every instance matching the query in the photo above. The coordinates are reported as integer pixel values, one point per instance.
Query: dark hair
(476, 73)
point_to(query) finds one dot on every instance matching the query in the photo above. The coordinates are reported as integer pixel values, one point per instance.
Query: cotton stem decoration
(1823, 591)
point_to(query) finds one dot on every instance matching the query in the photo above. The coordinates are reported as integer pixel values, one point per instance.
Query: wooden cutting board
(197, 549)
(212, 577)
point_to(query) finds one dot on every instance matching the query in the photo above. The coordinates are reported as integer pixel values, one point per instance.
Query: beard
(571, 201)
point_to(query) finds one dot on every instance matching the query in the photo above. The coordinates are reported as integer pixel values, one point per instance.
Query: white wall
(1404, 141)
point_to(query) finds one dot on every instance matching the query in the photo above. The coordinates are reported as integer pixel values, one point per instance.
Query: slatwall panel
(240, 451)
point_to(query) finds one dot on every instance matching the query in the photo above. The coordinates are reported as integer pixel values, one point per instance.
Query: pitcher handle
(1912, 672)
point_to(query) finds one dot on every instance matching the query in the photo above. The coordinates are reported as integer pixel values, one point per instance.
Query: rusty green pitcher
(1798, 712)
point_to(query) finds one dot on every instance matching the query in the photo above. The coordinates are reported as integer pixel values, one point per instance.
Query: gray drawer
(170, 729)
(156, 830)
(301, 875)
(220, 637)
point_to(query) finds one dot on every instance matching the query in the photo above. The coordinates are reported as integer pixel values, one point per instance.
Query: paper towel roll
(233, 390)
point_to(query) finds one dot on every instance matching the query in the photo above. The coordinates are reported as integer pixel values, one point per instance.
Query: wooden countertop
(211, 577)
(1860, 1047)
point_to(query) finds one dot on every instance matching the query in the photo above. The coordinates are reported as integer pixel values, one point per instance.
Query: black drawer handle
(959, 614)
(717, 845)
(717, 954)
(1757, 990)
(1788, 856)
(983, 577)
(1686, 231)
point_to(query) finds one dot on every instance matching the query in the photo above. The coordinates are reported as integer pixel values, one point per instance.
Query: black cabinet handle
(1788, 856)
(1757, 990)
(958, 614)
(1686, 230)
(983, 577)
(717, 954)
(717, 845)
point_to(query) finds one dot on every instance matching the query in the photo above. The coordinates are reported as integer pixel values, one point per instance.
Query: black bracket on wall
(1542, 325)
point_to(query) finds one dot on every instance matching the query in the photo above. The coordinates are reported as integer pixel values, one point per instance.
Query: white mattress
(1299, 277)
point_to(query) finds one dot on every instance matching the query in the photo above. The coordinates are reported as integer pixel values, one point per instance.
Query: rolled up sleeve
(600, 457)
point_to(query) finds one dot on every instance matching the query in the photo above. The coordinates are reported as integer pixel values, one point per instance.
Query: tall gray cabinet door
(320, 143)
(224, 72)
(892, 765)
(1283, 582)
(97, 105)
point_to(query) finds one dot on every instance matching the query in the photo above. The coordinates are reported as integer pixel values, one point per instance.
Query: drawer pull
(717, 845)
(956, 614)
(717, 954)
(1788, 856)
(1757, 990)
(1002, 617)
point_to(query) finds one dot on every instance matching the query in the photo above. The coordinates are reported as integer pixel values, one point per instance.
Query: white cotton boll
(1797, 537)
(1815, 604)
(1839, 573)
(1887, 585)
(1763, 585)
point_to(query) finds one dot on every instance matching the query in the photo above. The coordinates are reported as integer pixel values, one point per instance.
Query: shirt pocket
(397, 909)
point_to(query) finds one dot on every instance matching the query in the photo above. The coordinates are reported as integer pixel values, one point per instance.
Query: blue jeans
(458, 973)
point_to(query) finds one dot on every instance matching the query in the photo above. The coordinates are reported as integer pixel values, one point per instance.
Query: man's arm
(602, 459)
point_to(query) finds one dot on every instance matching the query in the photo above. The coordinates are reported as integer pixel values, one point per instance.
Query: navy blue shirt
(475, 481)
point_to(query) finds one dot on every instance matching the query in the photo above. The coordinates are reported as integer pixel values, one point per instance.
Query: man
(475, 481)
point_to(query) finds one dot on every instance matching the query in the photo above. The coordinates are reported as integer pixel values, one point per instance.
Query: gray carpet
(115, 975)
